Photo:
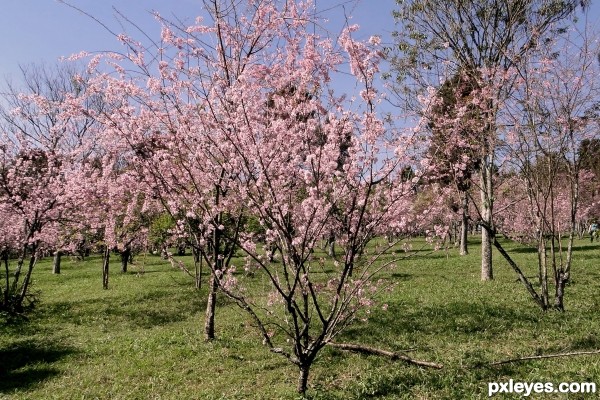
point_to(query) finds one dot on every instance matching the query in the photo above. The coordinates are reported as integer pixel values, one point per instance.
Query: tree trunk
(125, 256)
(17, 274)
(569, 259)
(15, 294)
(7, 274)
(105, 265)
(217, 267)
(197, 267)
(27, 280)
(56, 262)
(538, 300)
(486, 256)
(464, 224)
(303, 379)
(209, 321)
(486, 218)
(574, 208)
(455, 236)
(543, 268)
(82, 249)
(331, 245)
(560, 290)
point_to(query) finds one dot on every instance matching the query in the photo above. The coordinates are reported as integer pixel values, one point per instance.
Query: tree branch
(392, 355)
(570, 354)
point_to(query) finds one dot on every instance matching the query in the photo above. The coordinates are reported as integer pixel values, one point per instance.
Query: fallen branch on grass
(576, 353)
(392, 355)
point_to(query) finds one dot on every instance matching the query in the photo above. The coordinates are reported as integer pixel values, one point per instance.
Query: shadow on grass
(458, 317)
(459, 321)
(522, 250)
(405, 382)
(398, 276)
(27, 364)
(586, 342)
(587, 247)
(144, 310)
(139, 271)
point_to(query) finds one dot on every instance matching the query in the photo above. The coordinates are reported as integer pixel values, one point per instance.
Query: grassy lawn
(142, 338)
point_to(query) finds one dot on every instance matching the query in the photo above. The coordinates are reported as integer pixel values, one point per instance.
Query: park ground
(142, 338)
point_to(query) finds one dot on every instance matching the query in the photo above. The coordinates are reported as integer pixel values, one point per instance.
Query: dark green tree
(455, 162)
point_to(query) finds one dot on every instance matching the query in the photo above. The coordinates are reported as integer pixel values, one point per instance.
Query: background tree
(38, 147)
(589, 158)
(589, 151)
(453, 162)
(551, 119)
(482, 39)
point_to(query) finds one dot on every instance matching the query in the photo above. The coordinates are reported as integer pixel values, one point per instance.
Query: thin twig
(570, 354)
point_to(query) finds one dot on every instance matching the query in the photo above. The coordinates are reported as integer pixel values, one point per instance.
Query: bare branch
(393, 355)
(544, 356)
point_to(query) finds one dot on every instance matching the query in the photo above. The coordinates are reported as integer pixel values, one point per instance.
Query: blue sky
(36, 31)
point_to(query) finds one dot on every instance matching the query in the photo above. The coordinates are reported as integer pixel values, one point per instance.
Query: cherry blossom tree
(235, 120)
(156, 129)
(38, 150)
(302, 180)
(28, 206)
(540, 125)
(114, 207)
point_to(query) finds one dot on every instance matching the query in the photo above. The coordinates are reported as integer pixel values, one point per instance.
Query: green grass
(142, 338)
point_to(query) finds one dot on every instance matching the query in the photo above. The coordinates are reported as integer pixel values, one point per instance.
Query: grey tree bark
(56, 261)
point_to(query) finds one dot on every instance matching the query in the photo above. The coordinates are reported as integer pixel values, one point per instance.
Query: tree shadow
(522, 250)
(398, 276)
(460, 317)
(586, 247)
(145, 310)
(585, 342)
(29, 363)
